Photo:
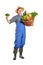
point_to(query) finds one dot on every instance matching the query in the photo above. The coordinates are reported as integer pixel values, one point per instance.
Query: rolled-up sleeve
(13, 19)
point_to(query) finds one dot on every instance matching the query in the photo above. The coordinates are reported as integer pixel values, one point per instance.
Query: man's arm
(13, 19)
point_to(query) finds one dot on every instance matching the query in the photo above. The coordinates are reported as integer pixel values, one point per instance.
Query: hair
(19, 8)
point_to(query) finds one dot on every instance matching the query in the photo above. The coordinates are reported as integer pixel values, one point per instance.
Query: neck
(20, 15)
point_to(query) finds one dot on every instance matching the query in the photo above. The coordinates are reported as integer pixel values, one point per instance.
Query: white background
(33, 49)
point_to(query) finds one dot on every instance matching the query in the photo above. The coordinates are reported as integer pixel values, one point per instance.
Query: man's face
(20, 12)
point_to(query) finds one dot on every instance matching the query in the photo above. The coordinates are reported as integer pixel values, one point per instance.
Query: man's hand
(7, 19)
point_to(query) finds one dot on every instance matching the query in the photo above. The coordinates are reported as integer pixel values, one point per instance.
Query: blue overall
(20, 34)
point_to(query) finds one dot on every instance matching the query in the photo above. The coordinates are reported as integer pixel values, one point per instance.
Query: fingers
(7, 17)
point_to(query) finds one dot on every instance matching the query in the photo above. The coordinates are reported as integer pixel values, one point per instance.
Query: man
(20, 34)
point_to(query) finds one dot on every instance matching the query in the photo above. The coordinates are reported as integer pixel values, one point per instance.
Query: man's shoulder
(16, 16)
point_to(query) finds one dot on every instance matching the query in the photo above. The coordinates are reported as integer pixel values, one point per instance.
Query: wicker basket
(28, 23)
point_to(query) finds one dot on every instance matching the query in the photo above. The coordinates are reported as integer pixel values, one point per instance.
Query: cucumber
(24, 13)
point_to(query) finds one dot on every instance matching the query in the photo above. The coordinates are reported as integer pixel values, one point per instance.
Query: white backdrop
(33, 49)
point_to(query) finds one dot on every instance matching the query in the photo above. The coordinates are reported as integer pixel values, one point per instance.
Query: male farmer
(20, 34)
